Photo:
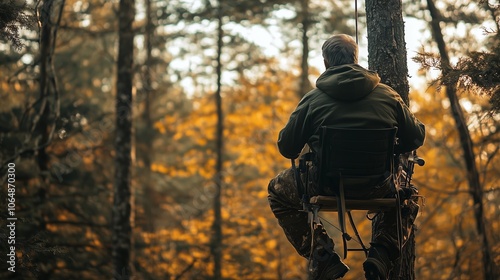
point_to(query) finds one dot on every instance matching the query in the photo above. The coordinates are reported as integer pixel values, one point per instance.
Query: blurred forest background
(59, 65)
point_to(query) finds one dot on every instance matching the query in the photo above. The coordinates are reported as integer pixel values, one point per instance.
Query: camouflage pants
(286, 205)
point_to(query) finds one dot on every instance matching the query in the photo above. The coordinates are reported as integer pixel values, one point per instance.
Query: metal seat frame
(361, 155)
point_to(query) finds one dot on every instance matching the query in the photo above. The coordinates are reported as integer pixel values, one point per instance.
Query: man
(349, 96)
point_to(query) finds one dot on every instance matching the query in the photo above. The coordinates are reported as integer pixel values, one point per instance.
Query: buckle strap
(341, 214)
(300, 186)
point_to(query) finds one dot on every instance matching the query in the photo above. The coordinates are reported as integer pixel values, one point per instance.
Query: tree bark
(41, 130)
(387, 56)
(473, 178)
(386, 44)
(44, 124)
(122, 229)
(216, 246)
(148, 124)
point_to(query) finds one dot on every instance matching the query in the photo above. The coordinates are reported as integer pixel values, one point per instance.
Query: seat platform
(329, 203)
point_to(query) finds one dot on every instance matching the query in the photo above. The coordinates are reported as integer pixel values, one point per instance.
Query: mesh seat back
(362, 157)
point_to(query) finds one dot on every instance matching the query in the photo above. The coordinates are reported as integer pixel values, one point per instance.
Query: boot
(378, 265)
(325, 263)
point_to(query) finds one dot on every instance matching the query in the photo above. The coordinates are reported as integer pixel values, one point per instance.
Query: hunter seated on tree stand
(347, 96)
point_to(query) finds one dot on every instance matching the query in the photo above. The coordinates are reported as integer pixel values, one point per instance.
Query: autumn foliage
(65, 213)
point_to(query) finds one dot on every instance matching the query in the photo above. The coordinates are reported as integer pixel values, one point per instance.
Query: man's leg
(286, 205)
(384, 251)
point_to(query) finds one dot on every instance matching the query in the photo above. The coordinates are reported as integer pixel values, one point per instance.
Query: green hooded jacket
(349, 96)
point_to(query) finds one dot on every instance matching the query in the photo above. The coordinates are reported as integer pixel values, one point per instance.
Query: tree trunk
(40, 130)
(304, 83)
(473, 178)
(44, 124)
(122, 230)
(386, 44)
(387, 56)
(216, 248)
(148, 124)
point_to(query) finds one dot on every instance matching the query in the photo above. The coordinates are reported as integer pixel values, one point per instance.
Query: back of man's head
(340, 49)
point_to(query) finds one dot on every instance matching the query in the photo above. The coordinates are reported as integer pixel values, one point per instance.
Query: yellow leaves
(262, 194)
(160, 127)
(89, 160)
(18, 87)
(4, 86)
(262, 221)
(159, 168)
(271, 244)
(201, 141)
(187, 166)
(205, 173)
(94, 238)
(254, 112)
(225, 214)
(447, 226)
(167, 248)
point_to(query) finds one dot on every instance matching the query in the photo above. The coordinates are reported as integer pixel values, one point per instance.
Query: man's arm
(411, 132)
(296, 132)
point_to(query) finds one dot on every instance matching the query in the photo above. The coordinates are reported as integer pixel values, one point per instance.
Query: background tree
(218, 178)
(45, 122)
(304, 83)
(61, 219)
(174, 78)
(13, 18)
(122, 228)
(317, 20)
(145, 150)
(474, 70)
(473, 176)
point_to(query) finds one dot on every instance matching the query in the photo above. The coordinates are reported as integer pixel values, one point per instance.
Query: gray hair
(340, 49)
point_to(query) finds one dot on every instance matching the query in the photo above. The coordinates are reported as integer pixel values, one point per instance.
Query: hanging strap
(303, 168)
(399, 222)
(356, 18)
(300, 186)
(341, 213)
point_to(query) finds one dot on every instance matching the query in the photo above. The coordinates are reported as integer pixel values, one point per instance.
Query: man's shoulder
(314, 92)
(312, 95)
(386, 90)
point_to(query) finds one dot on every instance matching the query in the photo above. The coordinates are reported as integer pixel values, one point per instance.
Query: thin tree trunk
(216, 248)
(122, 230)
(44, 123)
(387, 56)
(304, 83)
(148, 124)
(41, 128)
(473, 178)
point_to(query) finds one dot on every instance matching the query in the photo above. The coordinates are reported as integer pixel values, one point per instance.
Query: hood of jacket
(348, 82)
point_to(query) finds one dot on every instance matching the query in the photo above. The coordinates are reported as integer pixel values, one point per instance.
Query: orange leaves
(254, 113)
(186, 167)
(271, 244)
(160, 127)
(446, 225)
(159, 168)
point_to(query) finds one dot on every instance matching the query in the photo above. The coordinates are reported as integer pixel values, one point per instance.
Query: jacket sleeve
(411, 132)
(297, 131)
